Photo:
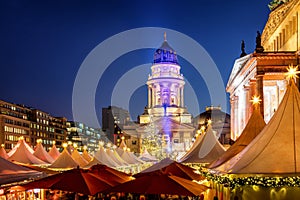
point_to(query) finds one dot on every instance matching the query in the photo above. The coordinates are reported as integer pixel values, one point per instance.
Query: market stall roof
(205, 149)
(64, 161)
(146, 156)
(54, 153)
(104, 158)
(3, 153)
(86, 155)
(23, 155)
(21, 140)
(254, 126)
(42, 154)
(276, 150)
(11, 172)
(78, 158)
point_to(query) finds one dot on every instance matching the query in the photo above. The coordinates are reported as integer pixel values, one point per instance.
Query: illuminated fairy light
(292, 72)
(101, 143)
(123, 138)
(255, 100)
(2, 145)
(84, 147)
(53, 142)
(65, 145)
(108, 145)
(233, 181)
(21, 138)
(69, 143)
(75, 145)
(209, 122)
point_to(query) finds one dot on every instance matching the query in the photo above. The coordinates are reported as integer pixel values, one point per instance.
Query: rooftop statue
(275, 3)
(243, 49)
(258, 47)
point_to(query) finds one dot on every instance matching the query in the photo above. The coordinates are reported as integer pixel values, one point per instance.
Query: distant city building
(219, 120)
(262, 72)
(59, 125)
(83, 135)
(18, 120)
(48, 128)
(14, 123)
(113, 116)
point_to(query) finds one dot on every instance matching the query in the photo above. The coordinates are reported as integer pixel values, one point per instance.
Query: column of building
(247, 104)
(260, 91)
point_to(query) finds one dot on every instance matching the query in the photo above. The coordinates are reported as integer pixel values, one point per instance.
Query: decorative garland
(264, 181)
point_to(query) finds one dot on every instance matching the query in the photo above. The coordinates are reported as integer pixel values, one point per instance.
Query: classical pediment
(238, 65)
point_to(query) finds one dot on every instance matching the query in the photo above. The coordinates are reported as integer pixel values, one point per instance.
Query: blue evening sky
(43, 44)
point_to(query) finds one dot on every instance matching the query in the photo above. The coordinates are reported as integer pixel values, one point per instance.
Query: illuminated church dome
(165, 53)
(165, 87)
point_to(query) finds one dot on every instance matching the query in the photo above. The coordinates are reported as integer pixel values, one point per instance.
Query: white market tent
(86, 155)
(254, 126)
(146, 156)
(104, 158)
(23, 155)
(42, 154)
(276, 150)
(54, 153)
(18, 144)
(205, 149)
(64, 161)
(115, 157)
(93, 162)
(3, 153)
(78, 158)
(129, 158)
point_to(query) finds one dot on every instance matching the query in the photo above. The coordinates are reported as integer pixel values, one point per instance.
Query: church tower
(165, 87)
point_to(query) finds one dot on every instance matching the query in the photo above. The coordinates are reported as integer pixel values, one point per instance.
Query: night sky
(43, 44)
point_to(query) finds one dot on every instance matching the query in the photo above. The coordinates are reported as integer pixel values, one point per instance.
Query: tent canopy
(276, 150)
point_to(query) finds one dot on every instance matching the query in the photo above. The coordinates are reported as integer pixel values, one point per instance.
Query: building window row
(14, 115)
(42, 134)
(15, 130)
(18, 123)
(12, 138)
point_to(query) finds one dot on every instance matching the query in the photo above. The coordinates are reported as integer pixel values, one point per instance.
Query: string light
(292, 72)
(229, 180)
(65, 145)
(255, 100)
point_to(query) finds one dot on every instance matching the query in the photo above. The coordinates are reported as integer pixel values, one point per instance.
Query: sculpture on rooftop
(243, 49)
(259, 48)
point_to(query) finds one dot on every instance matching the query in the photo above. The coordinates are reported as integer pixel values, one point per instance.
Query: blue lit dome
(165, 54)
